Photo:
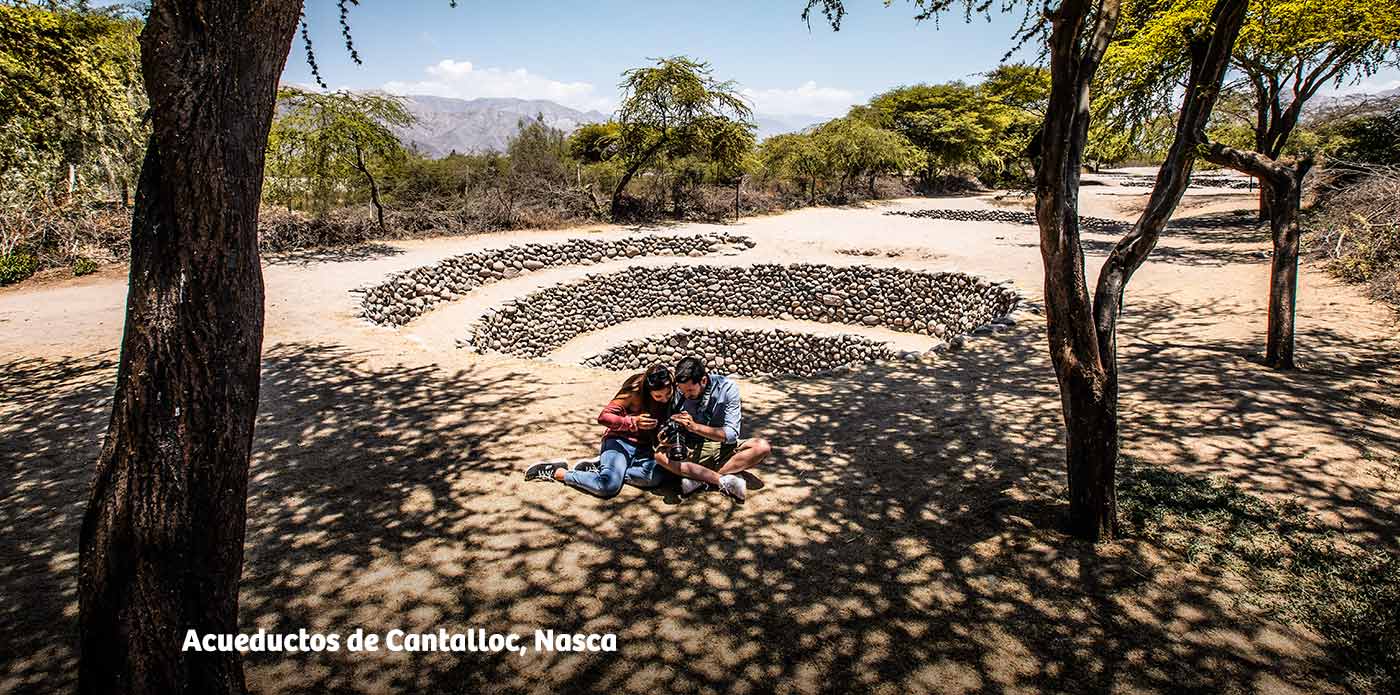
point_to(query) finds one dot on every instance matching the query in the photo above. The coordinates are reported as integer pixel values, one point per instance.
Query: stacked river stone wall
(1215, 181)
(749, 352)
(409, 294)
(1013, 216)
(937, 304)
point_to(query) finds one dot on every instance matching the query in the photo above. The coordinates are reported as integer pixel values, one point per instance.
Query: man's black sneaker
(588, 465)
(544, 470)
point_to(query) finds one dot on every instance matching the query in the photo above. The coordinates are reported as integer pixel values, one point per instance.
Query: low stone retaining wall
(750, 352)
(937, 304)
(1013, 216)
(411, 293)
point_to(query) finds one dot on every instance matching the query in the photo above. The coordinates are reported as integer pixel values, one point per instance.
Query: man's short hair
(690, 370)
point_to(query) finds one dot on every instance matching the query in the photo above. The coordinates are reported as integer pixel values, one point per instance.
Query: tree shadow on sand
(906, 538)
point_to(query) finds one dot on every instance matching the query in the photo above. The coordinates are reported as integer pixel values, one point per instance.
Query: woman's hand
(645, 422)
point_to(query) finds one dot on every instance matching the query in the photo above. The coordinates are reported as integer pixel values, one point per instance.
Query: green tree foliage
(1290, 49)
(536, 162)
(1370, 139)
(595, 142)
(979, 129)
(796, 157)
(538, 152)
(854, 148)
(71, 100)
(665, 106)
(324, 145)
(1287, 51)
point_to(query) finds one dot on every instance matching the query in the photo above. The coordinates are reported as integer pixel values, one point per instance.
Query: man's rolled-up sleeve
(731, 414)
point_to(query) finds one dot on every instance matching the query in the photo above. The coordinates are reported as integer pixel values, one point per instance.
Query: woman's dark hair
(690, 370)
(658, 377)
(635, 393)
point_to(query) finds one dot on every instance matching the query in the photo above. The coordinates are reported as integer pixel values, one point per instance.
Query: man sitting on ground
(707, 406)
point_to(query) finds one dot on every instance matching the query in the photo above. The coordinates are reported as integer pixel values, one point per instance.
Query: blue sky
(574, 53)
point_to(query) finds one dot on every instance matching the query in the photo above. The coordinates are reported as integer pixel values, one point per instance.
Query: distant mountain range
(1360, 102)
(445, 124)
(479, 125)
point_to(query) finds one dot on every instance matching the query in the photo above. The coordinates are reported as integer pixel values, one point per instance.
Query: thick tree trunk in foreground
(1083, 335)
(1090, 411)
(161, 547)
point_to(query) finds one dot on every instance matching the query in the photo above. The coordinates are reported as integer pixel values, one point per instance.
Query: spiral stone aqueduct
(816, 317)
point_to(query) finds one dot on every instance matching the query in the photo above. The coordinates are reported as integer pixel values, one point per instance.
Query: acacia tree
(661, 105)
(954, 124)
(161, 545)
(1083, 333)
(70, 100)
(1287, 51)
(1290, 49)
(855, 148)
(795, 156)
(728, 146)
(326, 139)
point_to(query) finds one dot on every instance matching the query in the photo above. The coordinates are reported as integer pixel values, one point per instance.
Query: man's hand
(685, 420)
(645, 422)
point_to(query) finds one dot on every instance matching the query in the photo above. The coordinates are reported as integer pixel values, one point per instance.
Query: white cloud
(461, 79)
(807, 99)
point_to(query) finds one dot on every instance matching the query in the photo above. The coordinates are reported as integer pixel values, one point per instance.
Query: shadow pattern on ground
(906, 539)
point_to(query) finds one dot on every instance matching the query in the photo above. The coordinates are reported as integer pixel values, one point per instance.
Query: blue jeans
(619, 461)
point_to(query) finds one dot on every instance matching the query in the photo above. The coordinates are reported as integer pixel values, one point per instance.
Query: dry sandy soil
(904, 538)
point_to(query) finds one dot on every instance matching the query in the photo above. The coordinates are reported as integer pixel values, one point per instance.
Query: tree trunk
(161, 545)
(1090, 421)
(1091, 425)
(1083, 335)
(737, 183)
(373, 186)
(1283, 276)
(632, 171)
(1286, 184)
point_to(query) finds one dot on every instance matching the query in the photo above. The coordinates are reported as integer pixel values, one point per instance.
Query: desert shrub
(1374, 138)
(279, 230)
(57, 233)
(84, 266)
(1356, 230)
(17, 266)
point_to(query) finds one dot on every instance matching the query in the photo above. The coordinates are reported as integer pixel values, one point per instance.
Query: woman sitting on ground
(629, 451)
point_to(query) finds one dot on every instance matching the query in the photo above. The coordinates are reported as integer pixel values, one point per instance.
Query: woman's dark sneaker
(588, 465)
(544, 470)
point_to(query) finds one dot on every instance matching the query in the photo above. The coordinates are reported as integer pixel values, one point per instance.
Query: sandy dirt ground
(903, 538)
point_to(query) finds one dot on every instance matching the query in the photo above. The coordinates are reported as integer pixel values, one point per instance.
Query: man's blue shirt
(717, 406)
